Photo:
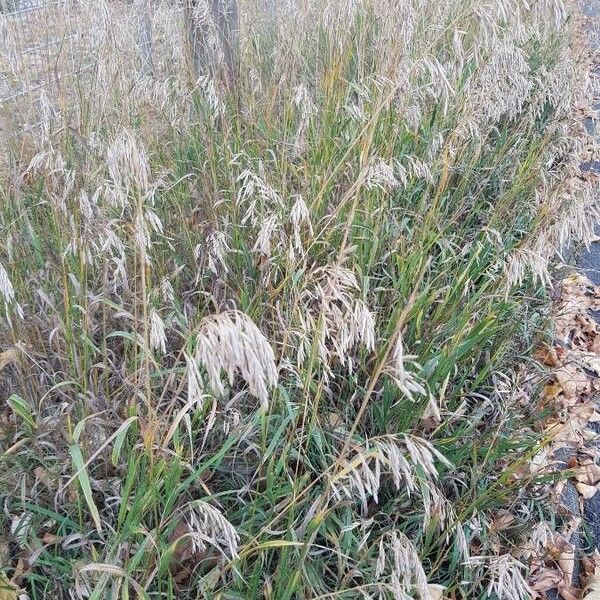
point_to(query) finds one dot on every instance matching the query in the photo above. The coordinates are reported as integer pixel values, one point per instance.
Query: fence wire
(49, 49)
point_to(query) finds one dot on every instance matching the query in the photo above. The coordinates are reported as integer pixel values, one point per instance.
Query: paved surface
(589, 261)
(591, 513)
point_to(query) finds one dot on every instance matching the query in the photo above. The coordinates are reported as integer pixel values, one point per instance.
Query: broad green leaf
(84, 482)
(120, 436)
(19, 406)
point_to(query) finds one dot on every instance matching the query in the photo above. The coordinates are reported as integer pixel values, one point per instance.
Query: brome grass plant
(259, 333)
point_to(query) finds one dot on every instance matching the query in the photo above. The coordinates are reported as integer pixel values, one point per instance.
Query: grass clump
(258, 338)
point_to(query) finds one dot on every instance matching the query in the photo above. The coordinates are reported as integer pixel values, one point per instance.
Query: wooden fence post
(224, 15)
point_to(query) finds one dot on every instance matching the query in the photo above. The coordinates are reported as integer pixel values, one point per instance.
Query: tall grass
(258, 339)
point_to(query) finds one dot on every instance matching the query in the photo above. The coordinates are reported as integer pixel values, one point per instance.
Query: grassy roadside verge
(259, 341)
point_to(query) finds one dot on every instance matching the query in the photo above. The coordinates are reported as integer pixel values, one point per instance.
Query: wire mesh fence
(37, 42)
(51, 50)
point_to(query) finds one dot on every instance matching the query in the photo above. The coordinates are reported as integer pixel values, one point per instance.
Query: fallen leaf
(547, 355)
(334, 421)
(569, 593)
(592, 593)
(573, 381)
(595, 345)
(551, 391)
(8, 357)
(502, 521)
(591, 567)
(591, 362)
(50, 538)
(546, 579)
(586, 491)
(588, 473)
(44, 476)
(185, 556)
(566, 562)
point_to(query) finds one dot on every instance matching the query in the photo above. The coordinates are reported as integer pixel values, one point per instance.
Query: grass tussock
(258, 336)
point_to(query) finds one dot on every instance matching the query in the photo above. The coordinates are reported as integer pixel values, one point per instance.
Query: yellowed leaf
(551, 391)
(8, 591)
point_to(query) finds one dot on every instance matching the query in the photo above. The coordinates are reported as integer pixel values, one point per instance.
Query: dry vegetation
(259, 337)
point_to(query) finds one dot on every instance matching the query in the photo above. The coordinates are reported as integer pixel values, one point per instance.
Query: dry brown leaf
(566, 562)
(587, 325)
(21, 568)
(591, 568)
(547, 355)
(584, 412)
(595, 345)
(44, 476)
(8, 357)
(334, 420)
(185, 556)
(502, 520)
(50, 538)
(573, 381)
(588, 473)
(574, 432)
(570, 593)
(545, 579)
(591, 564)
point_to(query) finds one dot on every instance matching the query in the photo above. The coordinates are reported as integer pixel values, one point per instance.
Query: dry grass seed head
(230, 342)
(208, 525)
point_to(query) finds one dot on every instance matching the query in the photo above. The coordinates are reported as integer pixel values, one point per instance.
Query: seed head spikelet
(230, 342)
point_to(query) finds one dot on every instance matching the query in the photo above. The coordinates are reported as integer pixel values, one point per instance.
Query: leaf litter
(569, 399)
